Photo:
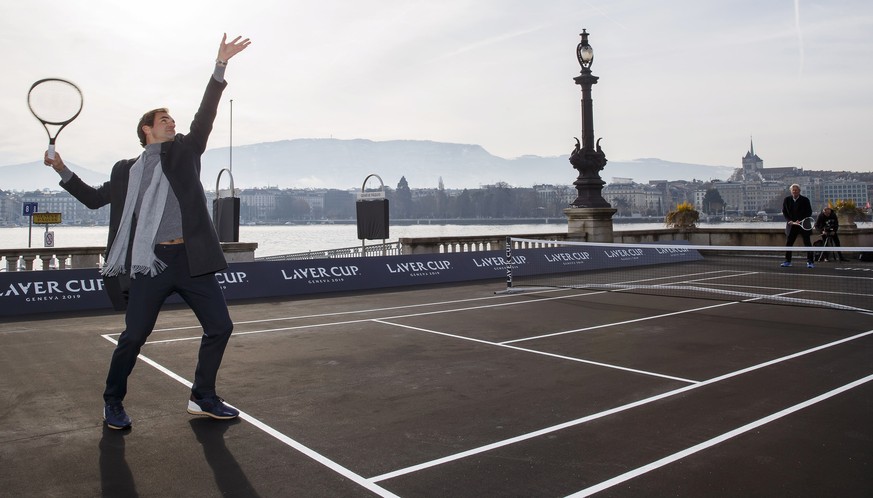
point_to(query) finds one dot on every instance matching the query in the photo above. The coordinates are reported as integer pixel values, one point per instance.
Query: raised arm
(228, 50)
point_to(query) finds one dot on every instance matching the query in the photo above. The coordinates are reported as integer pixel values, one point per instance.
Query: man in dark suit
(795, 208)
(161, 241)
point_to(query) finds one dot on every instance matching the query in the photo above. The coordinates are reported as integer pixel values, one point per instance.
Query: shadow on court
(454, 391)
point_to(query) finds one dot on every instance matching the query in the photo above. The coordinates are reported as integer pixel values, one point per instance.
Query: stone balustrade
(45, 258)
(92, 257)
(62, 258)
(849, 237)
(469, 243)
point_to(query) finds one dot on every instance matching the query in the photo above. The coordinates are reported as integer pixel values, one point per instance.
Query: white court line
(542, 353)
(505, 344)
(614, 324)
(411, 315)
(612, 411)
(438, 303)
(525, 436)
(395, 317)
(339, 469)
(265, 331)
(352, 312)
(716, 440)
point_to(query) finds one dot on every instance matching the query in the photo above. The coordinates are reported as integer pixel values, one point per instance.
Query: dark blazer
(180, 160)
(796, 210)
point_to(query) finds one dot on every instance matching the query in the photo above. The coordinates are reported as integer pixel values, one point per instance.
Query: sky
(683, 80)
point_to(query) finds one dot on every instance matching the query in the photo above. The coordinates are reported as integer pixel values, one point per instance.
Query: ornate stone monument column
(589, 217)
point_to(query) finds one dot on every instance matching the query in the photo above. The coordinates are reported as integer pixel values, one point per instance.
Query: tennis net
(729, 273)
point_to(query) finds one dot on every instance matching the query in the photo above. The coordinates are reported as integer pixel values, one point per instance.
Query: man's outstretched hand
(228, 50)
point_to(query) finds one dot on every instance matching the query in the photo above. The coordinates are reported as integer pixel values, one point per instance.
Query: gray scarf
(143, 255)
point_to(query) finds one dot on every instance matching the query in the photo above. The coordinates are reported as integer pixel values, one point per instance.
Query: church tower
(751, 162)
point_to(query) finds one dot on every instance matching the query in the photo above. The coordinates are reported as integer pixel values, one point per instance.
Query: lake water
(286, 239)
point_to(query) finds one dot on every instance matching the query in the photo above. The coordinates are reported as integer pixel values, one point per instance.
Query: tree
(464, 205)
(712, 201)
(339, 204)
(442, 200)
(289, 207)
(402, 207)
(622, 205)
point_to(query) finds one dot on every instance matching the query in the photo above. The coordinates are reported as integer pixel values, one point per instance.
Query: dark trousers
(147, 295)
(794, 231)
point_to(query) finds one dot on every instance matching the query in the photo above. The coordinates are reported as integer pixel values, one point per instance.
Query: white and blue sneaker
(115, 416)
(211, 406)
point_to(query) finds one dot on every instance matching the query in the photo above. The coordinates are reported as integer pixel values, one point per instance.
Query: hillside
(344, 164)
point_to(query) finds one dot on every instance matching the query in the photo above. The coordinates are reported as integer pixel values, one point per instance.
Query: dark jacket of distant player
(180, 160)
(796, 210)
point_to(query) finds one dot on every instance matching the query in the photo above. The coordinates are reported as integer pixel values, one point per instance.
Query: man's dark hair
(147, 119)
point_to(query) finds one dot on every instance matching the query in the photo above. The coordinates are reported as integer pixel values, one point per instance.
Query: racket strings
(808, 223)
(55, 101)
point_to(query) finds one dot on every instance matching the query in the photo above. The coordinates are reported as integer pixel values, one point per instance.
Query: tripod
(827, 240)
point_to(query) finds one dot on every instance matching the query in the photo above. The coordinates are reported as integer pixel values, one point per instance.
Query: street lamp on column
(588, 158)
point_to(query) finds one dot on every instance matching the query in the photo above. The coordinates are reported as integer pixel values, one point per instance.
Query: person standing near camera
(161, 241)
(828, 224)
(795, 208)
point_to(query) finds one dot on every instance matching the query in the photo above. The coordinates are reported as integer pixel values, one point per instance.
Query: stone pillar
(85, 260)
(28, 261)
(239, 252)
(846, 220)
(589, 224)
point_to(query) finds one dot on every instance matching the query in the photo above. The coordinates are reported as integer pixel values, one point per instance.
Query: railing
(92, 257)
(46, 258)
(470, 243)
(387, 249)
(62, 258)
(850, 237)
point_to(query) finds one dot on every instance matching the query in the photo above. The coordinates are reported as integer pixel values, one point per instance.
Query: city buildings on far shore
(752, 189)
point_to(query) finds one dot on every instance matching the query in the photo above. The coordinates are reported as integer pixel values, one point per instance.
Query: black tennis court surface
(454, 391)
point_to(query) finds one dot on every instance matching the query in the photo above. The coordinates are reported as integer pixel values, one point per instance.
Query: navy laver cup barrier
(31, 292)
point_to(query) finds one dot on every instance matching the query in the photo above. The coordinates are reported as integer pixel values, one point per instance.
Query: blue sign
(34, 292)
(30, 208)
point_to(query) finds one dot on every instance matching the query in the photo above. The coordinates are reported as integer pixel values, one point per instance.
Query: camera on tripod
(831, 226)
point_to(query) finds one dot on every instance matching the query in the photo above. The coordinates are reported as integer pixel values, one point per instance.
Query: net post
(508, 263)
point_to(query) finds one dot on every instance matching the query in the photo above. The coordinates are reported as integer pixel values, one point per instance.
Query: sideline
(612, 411)
(318, 457)
(716, 440)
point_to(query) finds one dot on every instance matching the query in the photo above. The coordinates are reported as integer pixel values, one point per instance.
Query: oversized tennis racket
(55, 103)
(806, 223)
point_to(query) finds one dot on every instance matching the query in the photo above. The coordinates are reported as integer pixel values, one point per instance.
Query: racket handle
(51, 151)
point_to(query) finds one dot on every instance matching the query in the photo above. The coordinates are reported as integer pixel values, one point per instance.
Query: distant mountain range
(344, 164)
